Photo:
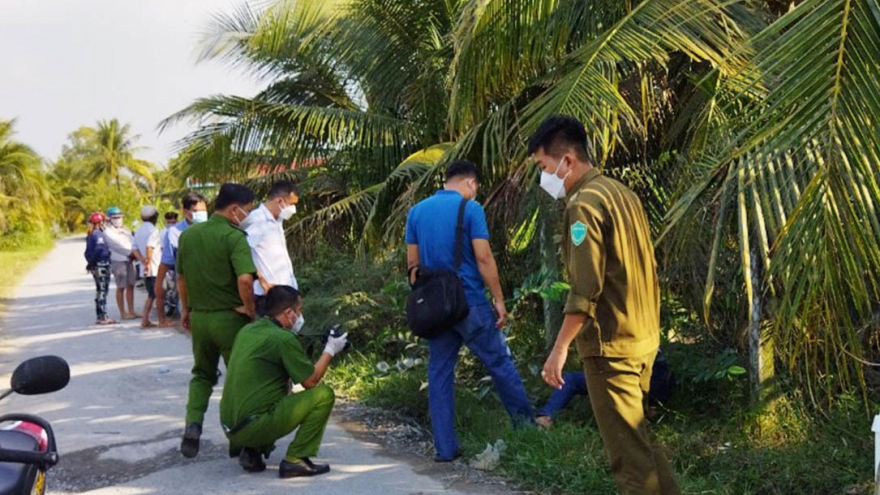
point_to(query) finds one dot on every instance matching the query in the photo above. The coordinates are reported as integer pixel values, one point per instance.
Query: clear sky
(69, 63)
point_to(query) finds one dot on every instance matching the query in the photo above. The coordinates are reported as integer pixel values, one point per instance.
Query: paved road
(118, 422)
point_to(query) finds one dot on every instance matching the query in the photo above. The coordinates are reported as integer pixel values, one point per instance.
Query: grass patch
(717, 443)
(783, 451)
(18, 255)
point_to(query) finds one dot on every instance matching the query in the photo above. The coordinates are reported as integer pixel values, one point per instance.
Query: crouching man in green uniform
(257, 409)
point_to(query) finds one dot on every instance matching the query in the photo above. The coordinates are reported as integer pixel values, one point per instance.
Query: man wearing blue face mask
(257, 409)
(613, 309)
(195, 210)
(265, 230)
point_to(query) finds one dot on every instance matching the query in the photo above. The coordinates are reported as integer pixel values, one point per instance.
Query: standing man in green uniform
(215, 280)
(613, 308)
(256, 408)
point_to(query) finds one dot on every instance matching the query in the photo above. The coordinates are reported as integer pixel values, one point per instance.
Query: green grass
(18, 255)
(716, 445)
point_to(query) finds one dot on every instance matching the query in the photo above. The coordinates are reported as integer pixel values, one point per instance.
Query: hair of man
(558, 135)
(191, 199)
(233, 194)
(283, 189)
(280, 298)
(171, 215)
(153, 219)
(462, 169)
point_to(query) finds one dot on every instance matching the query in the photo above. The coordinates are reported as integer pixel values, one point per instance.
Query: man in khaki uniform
(613, 308)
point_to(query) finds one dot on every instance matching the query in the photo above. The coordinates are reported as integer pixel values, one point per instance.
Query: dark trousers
(260, 305)
(101, 274)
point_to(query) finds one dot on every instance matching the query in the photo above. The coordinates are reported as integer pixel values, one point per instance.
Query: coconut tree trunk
(761, 368)
(549, 264)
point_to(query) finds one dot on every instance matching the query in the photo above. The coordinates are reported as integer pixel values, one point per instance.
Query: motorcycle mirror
(40, 375)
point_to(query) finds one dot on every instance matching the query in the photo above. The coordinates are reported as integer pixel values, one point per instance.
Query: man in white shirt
(265, 230)
(148, 250)
(119, 240)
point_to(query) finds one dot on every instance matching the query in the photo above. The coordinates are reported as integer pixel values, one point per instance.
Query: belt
(238, 427)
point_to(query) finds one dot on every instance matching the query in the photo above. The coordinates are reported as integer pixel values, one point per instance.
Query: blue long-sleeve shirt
(97, 249)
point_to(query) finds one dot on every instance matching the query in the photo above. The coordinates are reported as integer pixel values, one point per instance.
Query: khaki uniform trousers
(618, 390)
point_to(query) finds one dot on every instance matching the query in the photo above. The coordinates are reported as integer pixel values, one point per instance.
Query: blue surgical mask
(200, 216)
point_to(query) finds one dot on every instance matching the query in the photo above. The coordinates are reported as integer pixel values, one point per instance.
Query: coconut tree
(109, 151)
(759, 116)
(26, 200)
(796, 184)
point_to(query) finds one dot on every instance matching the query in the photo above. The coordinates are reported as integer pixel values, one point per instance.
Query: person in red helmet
(98, 264)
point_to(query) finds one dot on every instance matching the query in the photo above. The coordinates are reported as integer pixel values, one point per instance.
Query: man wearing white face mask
(265, 230)
(613, 308)
(215, 281)
(121, 244)
(257, 408)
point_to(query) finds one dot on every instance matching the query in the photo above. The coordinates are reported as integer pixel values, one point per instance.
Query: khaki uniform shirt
(212, 255)
(611, 267)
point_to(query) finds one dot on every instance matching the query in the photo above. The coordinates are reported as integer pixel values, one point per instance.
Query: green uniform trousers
(309, 410)
(213, 333)
(618, 390)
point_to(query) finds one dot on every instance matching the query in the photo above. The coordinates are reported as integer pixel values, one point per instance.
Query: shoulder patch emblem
(578, 233)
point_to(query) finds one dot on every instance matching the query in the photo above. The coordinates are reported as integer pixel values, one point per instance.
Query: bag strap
(459, 233)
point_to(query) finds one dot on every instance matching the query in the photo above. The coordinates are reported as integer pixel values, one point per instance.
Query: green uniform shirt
(264, 357)
(611, 268)
(211, 256)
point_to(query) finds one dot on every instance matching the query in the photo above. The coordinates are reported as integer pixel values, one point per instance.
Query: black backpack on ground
(437, 300)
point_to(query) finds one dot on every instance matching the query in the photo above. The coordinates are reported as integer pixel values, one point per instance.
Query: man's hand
(265, 285)
(245, 311)
(336, 344)
(185, 319)
(552, 372)
(501, 310)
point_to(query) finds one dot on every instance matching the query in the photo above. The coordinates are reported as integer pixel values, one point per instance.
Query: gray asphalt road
(118, 422)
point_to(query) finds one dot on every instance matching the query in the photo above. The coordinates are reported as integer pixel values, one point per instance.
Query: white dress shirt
(265, 235)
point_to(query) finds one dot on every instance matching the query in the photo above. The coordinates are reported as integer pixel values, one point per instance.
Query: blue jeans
(575, 384)
(479, 334)
(662, 384)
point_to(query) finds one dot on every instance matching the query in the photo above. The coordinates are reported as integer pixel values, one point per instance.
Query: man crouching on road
(256, 408)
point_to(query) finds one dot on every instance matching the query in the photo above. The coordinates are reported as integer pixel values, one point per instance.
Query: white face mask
(300, 321)
(552, 183)
(287, 212)
(248, 220)
(200, 216)
(116, 222)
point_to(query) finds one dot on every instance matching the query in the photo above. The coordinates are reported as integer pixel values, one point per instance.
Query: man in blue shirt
(195, 210)
(430, 242)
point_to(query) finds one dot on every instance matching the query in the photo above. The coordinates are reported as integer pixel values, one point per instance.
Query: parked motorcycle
(27, 442)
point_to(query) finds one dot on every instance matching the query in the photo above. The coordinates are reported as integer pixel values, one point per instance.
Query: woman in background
(98, 264)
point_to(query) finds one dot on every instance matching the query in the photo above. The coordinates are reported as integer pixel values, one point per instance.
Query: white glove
(336, 344)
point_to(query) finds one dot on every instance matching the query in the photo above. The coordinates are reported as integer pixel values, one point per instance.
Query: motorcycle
(27, 442)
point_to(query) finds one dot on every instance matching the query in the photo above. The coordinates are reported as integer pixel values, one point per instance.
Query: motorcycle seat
(17, 478)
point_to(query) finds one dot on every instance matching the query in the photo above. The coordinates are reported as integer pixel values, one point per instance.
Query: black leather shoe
(235, 452)
(189, 447)
(457, 454)
(303, 467)
(251, 460)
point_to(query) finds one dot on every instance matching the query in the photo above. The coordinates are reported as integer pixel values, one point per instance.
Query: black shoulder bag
(437, 300)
